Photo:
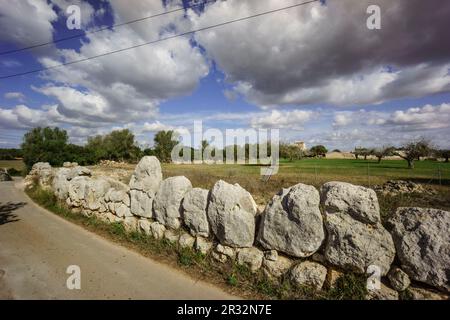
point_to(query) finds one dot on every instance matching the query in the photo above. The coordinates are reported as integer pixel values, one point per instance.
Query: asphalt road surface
(37, 247)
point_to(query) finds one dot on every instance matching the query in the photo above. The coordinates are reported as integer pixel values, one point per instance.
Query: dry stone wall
(306, 235)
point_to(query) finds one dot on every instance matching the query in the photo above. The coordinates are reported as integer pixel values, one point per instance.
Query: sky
(315, 72)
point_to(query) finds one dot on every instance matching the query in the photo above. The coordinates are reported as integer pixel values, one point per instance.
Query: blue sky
(300, 71)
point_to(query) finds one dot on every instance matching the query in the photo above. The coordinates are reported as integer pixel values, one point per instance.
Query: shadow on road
(6, 211)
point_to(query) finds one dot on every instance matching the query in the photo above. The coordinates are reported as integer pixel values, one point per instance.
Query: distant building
(301, 145)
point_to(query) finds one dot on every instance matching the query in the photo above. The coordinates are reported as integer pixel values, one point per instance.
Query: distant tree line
(52, 145)
(10, 154)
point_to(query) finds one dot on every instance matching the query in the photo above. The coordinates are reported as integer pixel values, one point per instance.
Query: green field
(315, 172)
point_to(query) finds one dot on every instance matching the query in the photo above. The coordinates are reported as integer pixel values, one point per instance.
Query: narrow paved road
(36, 247)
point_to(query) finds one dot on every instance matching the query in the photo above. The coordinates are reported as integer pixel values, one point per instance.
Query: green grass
(318, 171)
(237, 279)
(348, 286)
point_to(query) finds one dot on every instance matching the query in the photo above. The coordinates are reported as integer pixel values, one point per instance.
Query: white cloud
(292, 120)
(15, 95)
(26, 22)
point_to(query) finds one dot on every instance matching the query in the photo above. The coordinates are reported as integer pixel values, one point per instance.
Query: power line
(158, 40)
(79, 35)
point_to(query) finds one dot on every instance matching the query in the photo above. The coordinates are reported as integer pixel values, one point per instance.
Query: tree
(317, 151)
(290, 152)
(116, 145)
(44, 145)
(164, 144)
(382, 152)
(414, 150)
(444, 153)
(120, 145)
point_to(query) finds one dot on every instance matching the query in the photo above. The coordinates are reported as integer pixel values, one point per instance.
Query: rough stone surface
(399, 279)
(359, 202)
(222, 253)
(42, 173)
(424, 294)
(186, 240)
(231, 215)
(131, 224)
(276, 268)
(383, 293)
(70, 164)
(271, 255)
(203, 245)
(171, 235)
(395, 187)
(167, 204)
(356, 239)
(194, 212)
(141, 203)
(292, 222)
(219, 257)
(318, 257)
(422, 240)
(310, 274)
(147, 175)
(354, 246)
(95, 191)
(144, 184)
(250, 257)
(144, 226)
(77, 191)
(157, 230)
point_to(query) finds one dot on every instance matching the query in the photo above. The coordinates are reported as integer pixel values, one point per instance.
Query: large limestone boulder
(77, 191)
(359, 202)
(194, 212)
(356, 239)
(231, 214)
(62, 177)
(95, 191)
(167, 204)
(309, 274)
(42, 173)
(292, 222)
(422, 240)
(144, 184)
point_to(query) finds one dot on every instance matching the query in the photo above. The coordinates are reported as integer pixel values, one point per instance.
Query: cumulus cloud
(123, 87)
(293, 120)
(26, 22)
(326, 54)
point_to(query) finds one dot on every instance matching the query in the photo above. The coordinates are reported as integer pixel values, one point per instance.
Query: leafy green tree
(290, 152)
(46, 145)
(318, 151)
(165, 141)
(117, 145)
